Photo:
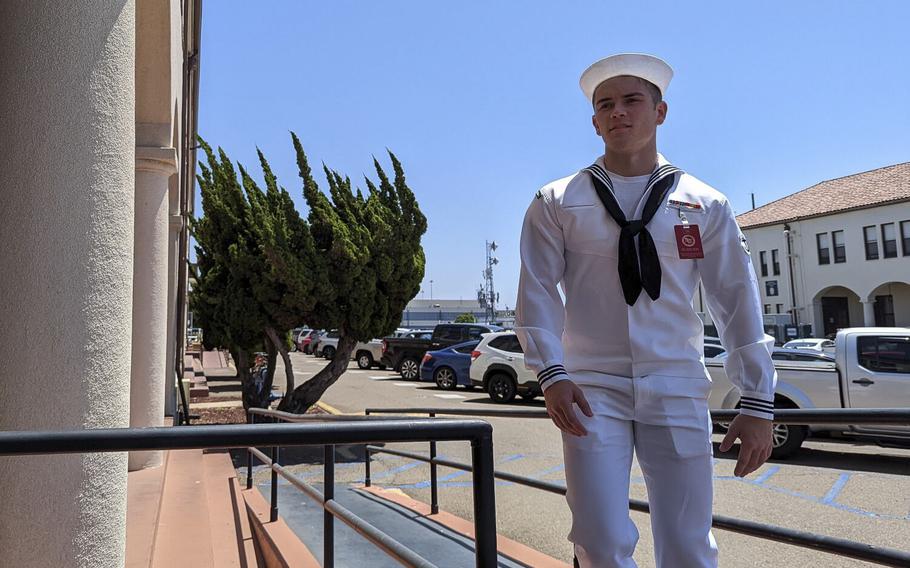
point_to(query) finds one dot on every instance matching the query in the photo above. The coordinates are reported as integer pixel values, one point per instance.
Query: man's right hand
(560, 397)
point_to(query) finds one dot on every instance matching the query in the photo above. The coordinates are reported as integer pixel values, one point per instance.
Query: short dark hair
(652, 89)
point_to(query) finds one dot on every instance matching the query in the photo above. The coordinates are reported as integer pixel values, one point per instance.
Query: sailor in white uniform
(621, 361)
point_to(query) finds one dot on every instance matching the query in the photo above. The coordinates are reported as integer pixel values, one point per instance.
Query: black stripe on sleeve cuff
(757, 402)
(549, 373)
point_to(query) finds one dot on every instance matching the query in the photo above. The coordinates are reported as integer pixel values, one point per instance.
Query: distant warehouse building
(834, 255)
(427, 313)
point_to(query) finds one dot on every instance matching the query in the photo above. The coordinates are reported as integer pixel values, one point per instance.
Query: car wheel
(501, 388)
(786, 440)
(328, 352)
(364, 360)
(445, 378)
(410, 369)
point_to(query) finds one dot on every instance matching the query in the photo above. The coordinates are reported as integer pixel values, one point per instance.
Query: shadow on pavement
(834, 459)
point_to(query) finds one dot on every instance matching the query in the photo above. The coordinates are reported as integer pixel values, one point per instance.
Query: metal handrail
(880, 416)
(834, 545)
(478, 432)
(484, 503)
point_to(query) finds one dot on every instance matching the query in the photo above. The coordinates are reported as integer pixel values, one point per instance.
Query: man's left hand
(755, 437)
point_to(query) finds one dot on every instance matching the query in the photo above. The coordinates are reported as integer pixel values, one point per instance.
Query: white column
(175, 223)
(154, 166)
(868, 313)
(67, 115)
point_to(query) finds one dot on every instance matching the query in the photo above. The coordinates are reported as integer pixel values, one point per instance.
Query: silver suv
(498, 366)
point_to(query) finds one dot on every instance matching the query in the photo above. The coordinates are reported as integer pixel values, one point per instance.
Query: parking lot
(844, 489)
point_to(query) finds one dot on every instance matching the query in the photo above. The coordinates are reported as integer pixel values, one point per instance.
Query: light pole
(431, 290)
(794, 316)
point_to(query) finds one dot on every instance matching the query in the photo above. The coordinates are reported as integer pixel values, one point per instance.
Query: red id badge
(688, 241)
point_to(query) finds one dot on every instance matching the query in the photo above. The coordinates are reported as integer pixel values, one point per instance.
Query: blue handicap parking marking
(445, 480)
(829, 500)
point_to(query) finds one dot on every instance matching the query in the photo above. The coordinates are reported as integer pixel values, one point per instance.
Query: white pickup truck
(870, 369)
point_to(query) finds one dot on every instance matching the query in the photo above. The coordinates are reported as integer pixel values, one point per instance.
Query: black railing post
(273, 513)
(484, 500)
(434, 488)
(249, 460)
(366, 461)
(328, 519)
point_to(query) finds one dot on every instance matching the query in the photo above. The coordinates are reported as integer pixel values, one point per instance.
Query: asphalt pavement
(844, 489)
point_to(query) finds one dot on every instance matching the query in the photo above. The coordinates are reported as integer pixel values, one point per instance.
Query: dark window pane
(840, 248)
(513, 345)
(775, 264)
(889, 241)
(824, 253)
(763, 263)
(905, 237)
(447, 333)
(884, 354)
(871, 240)
(466, 348)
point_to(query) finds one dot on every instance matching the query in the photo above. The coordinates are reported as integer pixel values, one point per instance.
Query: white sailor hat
(647, 67)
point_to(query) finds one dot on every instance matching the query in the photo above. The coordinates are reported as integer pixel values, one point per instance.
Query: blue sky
(480, 100)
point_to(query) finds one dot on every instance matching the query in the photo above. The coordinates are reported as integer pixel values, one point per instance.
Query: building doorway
(835, 314)
(884, 311)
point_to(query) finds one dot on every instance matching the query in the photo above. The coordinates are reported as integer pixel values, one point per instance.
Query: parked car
(449, 367)
(498, 367)
(403, 354)
(305, 339)
(871, 369)
(317, 339)
(812, 343)
(368, 354)
(295, 335)
(713, 351)
(327, 345)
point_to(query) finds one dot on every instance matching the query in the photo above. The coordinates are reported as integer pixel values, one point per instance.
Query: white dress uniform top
(640, 366)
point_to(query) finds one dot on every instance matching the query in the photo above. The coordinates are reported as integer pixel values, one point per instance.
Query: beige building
(836, 254)
(97, 114)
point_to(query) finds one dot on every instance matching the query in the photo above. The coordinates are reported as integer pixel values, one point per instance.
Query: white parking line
(405, 384)
(382, 378)
(449, 396)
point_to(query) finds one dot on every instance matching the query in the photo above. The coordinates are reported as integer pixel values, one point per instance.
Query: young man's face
(625, 115)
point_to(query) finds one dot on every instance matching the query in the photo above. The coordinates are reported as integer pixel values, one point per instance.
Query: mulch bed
(230, 415)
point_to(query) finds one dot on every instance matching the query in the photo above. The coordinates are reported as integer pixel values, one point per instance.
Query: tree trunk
(285, 356)
(309, 393)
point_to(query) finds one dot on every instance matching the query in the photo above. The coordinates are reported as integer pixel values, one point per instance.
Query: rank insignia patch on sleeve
(745, 244)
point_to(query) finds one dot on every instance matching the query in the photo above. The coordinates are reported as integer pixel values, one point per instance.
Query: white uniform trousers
(667, 423)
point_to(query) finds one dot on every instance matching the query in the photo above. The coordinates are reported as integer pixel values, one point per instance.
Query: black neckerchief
(633, 278)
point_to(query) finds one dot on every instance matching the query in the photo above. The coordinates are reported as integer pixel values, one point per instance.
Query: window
(871, 242)
(467, 347)
(507, 343)
(770, 289)
(905, 237)
(780, 307)
(889, 241)
(763, 262)
(840, 249)
(448, 333)
(824, 253)
(884, 354)
(475, 332)
(775, 265)
(767, 308)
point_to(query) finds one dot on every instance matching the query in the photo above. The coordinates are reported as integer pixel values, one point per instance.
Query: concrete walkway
(437, 543)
